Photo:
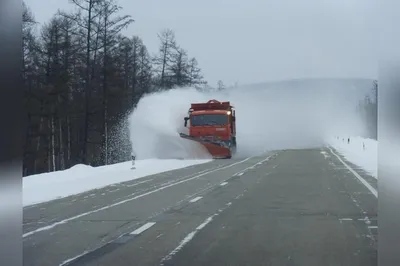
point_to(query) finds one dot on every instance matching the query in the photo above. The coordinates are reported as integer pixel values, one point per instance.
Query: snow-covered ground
(80, 178)
(360, 151)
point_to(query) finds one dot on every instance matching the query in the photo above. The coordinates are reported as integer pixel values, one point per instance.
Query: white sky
(252, 41)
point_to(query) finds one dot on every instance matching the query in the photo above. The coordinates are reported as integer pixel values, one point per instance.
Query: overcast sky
(250, 41)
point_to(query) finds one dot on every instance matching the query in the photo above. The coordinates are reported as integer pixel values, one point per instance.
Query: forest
(82, 76)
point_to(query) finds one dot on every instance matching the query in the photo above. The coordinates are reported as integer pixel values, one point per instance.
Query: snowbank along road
(291, 207)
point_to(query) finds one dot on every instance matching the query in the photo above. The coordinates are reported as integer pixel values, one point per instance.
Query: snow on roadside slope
(80, 178)
(366, 158)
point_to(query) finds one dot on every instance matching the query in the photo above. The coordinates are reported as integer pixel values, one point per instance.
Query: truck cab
(211, 123)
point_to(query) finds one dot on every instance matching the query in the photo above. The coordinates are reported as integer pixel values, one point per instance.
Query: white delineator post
(133, 160)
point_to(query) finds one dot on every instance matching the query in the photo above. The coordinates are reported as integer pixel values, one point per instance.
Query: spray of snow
(156, 122)
(267, 119)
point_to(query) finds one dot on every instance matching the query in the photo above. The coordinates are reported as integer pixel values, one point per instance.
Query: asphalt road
(292, 207)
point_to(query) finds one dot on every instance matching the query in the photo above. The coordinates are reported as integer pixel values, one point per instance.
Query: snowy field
(361, 152)
(80, 178)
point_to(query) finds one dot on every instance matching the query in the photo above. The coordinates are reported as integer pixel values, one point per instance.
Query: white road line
(73, 258)
(372, 227)
(180, 246)
(362, 180)
(241, 172)
(203, 224)
(239, 196)
(223, 183)
(367, 221)
(51, 226)
(346, 219)
(88, 251)
(325, 154)
(195, 199)
(193, 233)
(142, 228)
(138, 183)
(187, 238)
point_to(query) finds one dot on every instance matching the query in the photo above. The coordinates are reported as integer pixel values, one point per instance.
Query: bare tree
(89, 10)
(136, 66)
(164, 59)
(180, 68)
(195, 76)
(134, 62)
(111, 27)
(29, 74)
(145, 74)
(28, 39)
(220, 85)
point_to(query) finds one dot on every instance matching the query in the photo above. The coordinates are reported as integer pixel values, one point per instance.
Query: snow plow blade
(217, 149)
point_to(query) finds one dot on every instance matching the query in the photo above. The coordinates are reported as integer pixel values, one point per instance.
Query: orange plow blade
(217, 149)
(218, 152)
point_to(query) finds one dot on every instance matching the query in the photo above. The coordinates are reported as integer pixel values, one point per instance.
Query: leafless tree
(163, 60)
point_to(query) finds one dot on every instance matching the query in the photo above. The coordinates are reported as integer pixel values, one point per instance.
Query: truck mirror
(186, 119)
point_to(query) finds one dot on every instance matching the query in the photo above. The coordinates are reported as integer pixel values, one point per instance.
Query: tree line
(368, 109)
(82, 76)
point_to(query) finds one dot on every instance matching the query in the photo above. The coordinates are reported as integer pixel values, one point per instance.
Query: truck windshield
(209, 120)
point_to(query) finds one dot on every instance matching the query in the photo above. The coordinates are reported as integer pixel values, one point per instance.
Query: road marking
(362, 180)
(180, 246)
(223, 183)
(73, 258)
(51, 226)
(346, 219)
(68, 261)
(325, 154)
(142, 228)
(202, 225)
(373, 227)
(188, 238)
(241, 172)
(138, 183)
(193, 233)
(365, 219)
(239, 196)
(195, 199)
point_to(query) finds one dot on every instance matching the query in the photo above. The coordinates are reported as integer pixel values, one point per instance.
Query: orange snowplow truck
(213, 124)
